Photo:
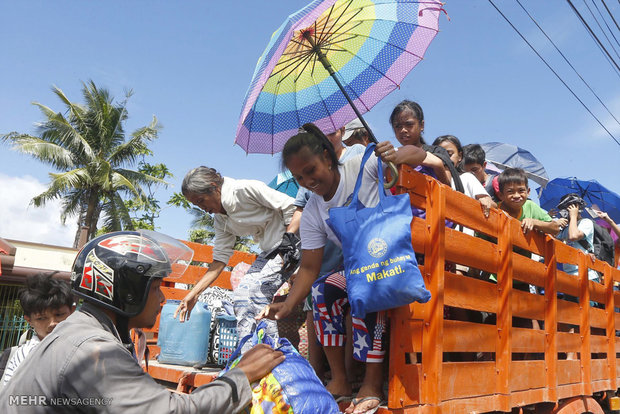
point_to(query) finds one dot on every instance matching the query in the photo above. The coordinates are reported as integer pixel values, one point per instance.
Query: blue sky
(189, 63)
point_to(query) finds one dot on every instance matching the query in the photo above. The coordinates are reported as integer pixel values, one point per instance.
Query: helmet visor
(178, 254)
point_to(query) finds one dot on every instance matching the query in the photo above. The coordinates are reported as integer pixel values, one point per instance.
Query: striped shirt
(18, 357)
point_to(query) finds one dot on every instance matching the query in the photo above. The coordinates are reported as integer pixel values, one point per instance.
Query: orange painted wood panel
(469, 293)
(471, 251)
(527, 375)
(467, 379)
(468, 212)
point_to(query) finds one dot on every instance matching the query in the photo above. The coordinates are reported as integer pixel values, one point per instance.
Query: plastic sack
(237, 273)
(292, 387)
(380, 265)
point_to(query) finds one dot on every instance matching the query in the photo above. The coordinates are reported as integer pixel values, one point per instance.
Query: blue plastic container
(184, 343)
(227, 327)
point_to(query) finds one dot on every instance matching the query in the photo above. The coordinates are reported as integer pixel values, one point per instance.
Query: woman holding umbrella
(311, 159)
(242, 208)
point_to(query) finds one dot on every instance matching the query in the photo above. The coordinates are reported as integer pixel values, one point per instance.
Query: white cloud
(19, 220)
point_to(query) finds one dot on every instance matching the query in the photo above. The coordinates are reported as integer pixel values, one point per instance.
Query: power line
(554, 72)
(567, 61)
(606, 25)
(600, 27)
(593, 34)
(610, 15)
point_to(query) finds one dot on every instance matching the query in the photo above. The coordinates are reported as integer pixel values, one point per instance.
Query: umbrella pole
(328, 66)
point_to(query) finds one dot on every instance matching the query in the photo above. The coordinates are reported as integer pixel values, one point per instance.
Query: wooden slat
(551, 322)
(505, 303)
(528, 270)
(191, 276)
(599, 369)
(466, 211)
(202, 252)
(471, 251)
(533, 241)
(467, 379)
(527, 375)
(568, 372)
(174, 293)
(461, 336)
(432, 353)
(468, 293)
(610, 328)
(584, 326)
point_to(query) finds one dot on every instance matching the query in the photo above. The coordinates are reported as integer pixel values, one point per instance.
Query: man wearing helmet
(88, 364)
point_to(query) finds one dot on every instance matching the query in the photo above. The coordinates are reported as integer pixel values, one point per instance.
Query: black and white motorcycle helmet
(115, 270)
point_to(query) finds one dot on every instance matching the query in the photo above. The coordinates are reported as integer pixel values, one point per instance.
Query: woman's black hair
(43, 291)
(454, 141)
(407, 105)
(312, 138)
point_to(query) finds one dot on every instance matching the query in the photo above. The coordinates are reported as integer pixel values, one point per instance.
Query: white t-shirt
(472, 188)
(313, 229)
(587, 228)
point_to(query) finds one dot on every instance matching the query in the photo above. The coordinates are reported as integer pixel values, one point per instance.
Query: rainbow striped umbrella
(330, 62)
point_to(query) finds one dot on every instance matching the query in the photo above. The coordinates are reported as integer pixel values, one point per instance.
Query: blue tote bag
(380, 266)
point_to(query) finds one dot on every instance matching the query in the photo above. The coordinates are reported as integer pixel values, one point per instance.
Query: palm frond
(44, 151)
(76, 111)
(128, 152)
(201, 220)
(57, 129)
(116, 214)
(73, 203)
(140, 178)
(61, 184)
(122, 183)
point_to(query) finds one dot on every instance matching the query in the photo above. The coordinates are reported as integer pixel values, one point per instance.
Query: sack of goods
(380, 265)
(292, 387)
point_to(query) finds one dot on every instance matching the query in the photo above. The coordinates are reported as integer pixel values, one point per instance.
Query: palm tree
(87, 145)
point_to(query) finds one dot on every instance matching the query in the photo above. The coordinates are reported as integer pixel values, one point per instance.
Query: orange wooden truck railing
(203, 254)
(539, 375)
(420, 378)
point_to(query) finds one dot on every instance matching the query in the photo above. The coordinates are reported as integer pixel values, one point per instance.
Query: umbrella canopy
(594, 194)
(328, 57)
(508, 155)
(285, 183)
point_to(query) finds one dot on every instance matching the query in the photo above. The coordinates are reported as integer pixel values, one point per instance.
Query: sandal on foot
(342, 398)
(357, 401)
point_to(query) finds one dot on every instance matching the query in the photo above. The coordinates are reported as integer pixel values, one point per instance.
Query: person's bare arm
(442, 173)
(306, 275)
(550, 227)
(259, 361)
(574, 233)
(187, 304)
(614, 226)
(293, 226)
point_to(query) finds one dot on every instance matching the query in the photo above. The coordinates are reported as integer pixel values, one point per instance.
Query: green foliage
(88, 146)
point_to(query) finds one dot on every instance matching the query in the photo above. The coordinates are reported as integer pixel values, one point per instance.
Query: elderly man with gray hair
(245, 208)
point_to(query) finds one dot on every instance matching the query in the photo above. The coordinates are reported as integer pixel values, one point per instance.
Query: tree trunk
(90, 221)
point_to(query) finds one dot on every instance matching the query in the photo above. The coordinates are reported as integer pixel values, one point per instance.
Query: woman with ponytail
(311, 159)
